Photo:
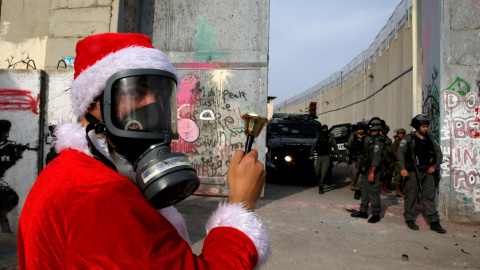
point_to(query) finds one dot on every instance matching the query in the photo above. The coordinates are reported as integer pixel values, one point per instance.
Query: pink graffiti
(463, 128)
(188, 130)
(207, 65)
(18, 100)
(453, 100)
(468, 155)
(185, 95)
(470, 178)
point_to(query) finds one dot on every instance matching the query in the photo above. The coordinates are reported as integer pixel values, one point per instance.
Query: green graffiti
(205, 43)
(459, 86)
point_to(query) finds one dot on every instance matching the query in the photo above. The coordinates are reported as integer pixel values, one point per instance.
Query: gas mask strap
(96, 154)
(119, 163)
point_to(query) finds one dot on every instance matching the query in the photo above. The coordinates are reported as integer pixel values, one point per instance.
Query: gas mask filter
(139, 112)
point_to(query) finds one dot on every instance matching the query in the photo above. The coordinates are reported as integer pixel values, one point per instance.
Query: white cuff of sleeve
(235, 216)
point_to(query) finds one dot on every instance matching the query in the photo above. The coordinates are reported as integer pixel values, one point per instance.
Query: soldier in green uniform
(387, 163)
(371, 160)
(354, 147)
(323, 145)
(419, 156)
(398, 179)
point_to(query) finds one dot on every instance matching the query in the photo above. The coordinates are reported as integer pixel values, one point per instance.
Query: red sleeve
(118, 229)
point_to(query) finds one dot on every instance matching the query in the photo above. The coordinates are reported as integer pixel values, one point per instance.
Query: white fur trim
(174, 217)
(71, 135)
(235, 216)
(91, 82)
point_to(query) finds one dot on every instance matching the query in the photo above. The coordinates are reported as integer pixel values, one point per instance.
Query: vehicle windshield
(294, 130)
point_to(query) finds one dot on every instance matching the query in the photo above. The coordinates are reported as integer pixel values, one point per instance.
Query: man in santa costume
(95, 206)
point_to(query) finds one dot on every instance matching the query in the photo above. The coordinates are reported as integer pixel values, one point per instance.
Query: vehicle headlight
(288, 158)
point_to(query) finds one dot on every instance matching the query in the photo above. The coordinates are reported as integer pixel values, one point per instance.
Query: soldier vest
(366, 158)
(424, 150)
(323, 144)
(357, 145)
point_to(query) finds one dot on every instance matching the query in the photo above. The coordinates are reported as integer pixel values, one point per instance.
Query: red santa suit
(81, 214)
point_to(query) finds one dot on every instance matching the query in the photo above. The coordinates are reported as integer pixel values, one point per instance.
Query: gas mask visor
(140, 114)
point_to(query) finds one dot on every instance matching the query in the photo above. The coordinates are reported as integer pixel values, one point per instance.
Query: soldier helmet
(324, 127)
(419, 120)
(360, 125)
(374, 123)
(386, 128)
(5, 125)
(401, 131)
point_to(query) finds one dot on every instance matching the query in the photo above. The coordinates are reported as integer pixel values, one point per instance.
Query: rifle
(415, 165)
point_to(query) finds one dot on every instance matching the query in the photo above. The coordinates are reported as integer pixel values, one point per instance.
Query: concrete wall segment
(58, 48)
(465, 15)
(79, 22)
(23, 20)
(66, 4)
(182, 27)
(460, 129)
(20, 91)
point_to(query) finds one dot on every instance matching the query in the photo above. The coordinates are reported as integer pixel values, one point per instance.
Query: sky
(312, 39)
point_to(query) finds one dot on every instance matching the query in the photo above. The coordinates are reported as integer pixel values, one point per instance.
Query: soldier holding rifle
(419, 156)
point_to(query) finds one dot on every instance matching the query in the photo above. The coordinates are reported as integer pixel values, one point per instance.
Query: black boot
(411, 224)
(357, 195)
(320, 190)
(435, 226)
(374, 219)
(359, 214)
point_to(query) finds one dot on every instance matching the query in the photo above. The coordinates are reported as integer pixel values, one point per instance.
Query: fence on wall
(400, 17)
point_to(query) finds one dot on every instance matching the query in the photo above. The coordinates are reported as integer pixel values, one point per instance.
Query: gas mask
(139, 113)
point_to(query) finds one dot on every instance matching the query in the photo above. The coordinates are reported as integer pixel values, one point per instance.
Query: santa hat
(100, 56)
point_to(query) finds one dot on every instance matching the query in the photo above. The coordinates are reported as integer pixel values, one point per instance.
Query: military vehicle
(341, 133)
(289, 140)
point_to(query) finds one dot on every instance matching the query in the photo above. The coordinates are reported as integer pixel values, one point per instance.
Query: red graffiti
(18, 100)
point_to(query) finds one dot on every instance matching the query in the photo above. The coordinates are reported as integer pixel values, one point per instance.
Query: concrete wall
(393, 103)
(458, 82)
(220, 54)
(378, 81)
(46, 31)
(21, 99)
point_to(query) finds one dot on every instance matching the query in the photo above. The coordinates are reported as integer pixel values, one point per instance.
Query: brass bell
(254, 124)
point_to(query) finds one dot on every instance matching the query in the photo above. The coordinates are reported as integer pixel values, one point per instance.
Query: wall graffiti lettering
(213, 128)
(461, 129)
(18, 100)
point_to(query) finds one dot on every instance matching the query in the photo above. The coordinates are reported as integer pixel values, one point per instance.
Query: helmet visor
(144, 103)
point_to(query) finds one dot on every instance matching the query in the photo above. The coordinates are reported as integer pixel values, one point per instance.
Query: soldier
(386, 166)
(419, 156)
(323, 147)
(355, 149)
(398, 179)
(371, 160)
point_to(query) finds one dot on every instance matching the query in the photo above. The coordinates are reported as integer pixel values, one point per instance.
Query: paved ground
(312, 231)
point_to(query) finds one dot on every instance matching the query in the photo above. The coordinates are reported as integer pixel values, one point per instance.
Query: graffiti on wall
(209, 110)
(18, 100)
(10, 153)
(431, 98)
(461, 128)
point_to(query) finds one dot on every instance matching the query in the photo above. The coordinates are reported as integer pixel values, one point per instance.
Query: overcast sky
(312, 39)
